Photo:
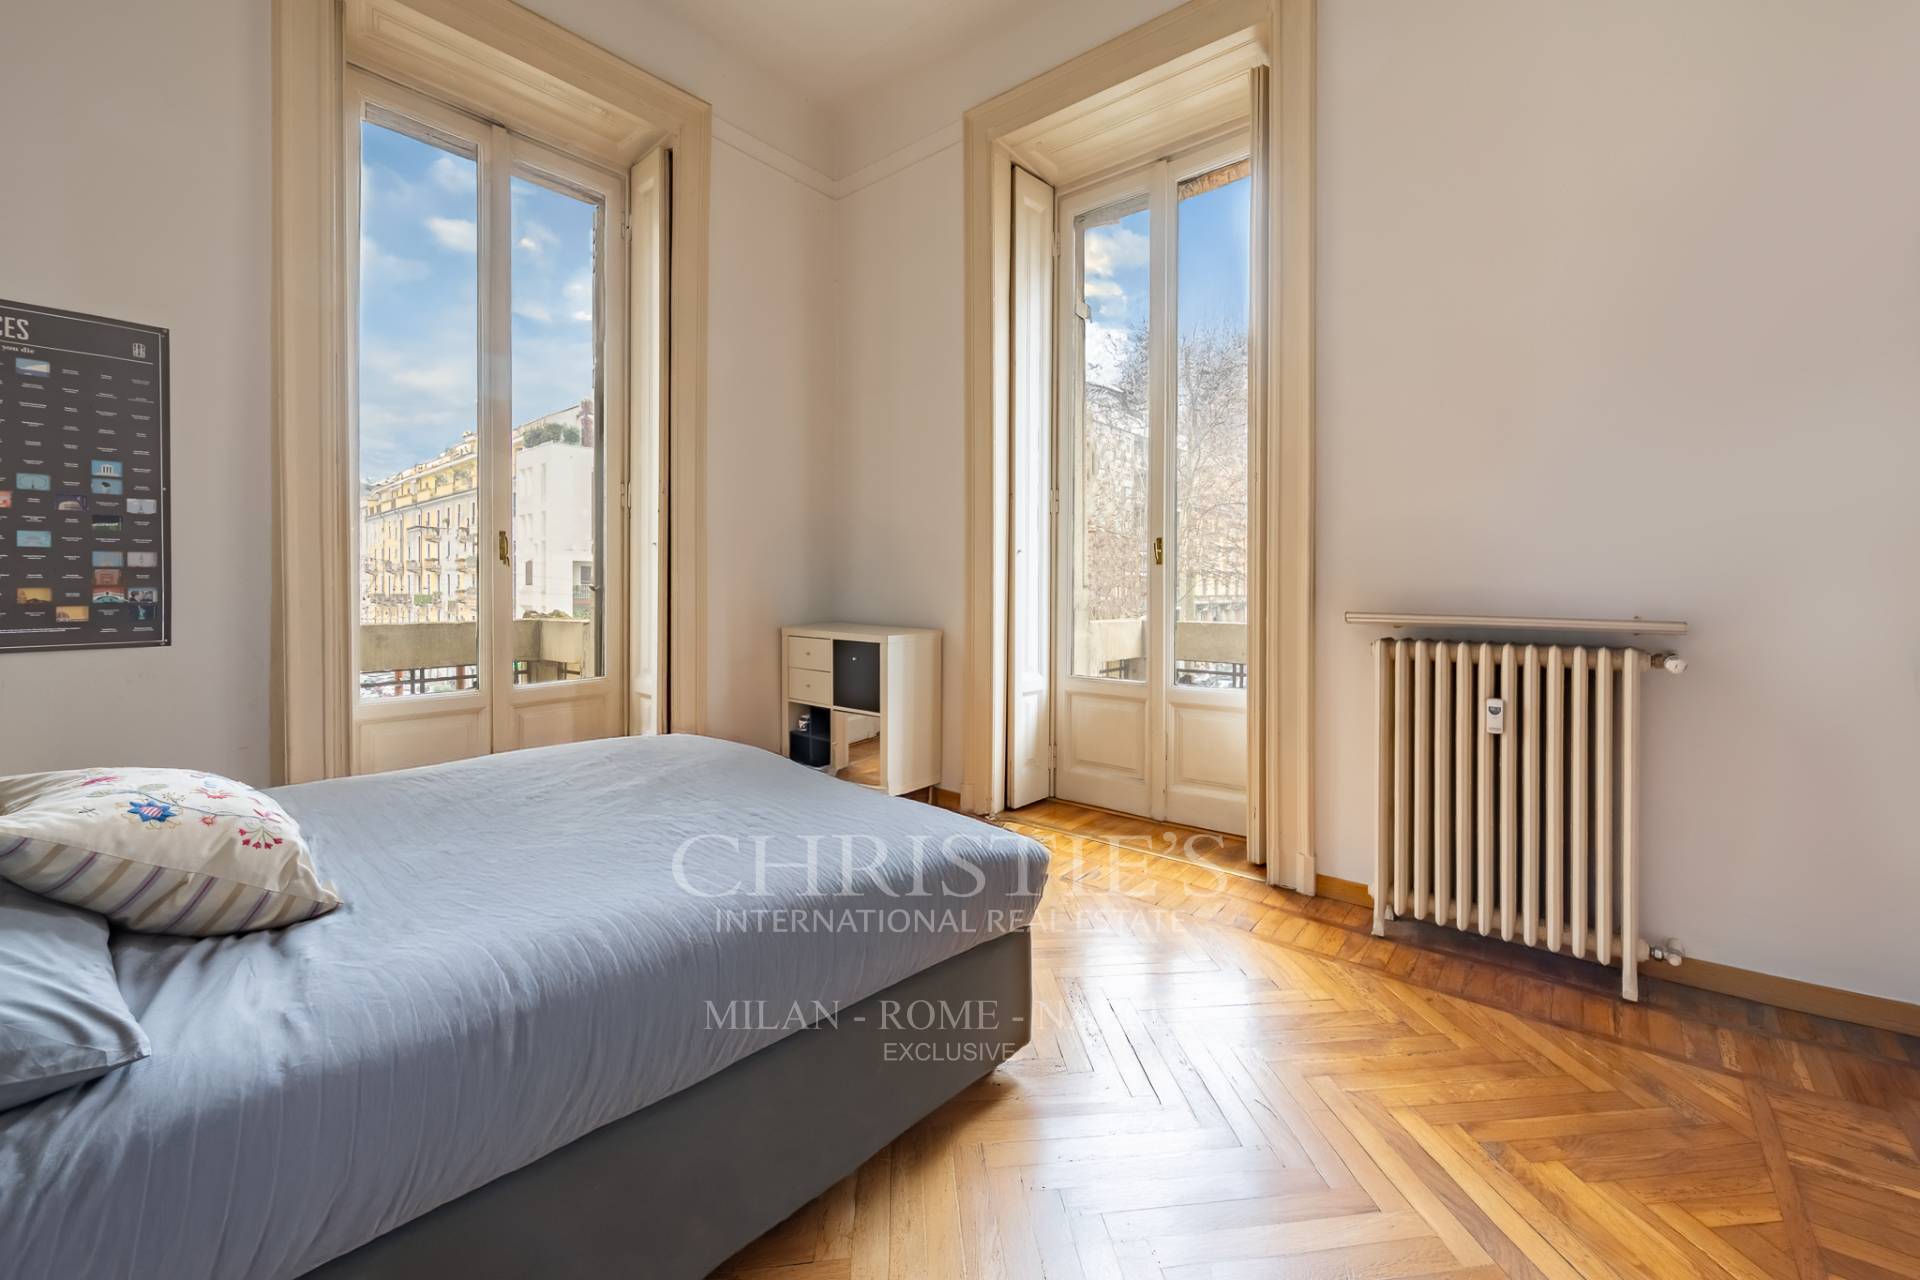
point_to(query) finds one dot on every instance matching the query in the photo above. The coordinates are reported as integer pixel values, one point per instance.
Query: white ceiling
(831, 50)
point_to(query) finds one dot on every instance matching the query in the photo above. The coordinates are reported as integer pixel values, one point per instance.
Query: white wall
(929, 98)
(1619, 314)
(769, 409)
(747, 96)
(898, 545)
(135, 191)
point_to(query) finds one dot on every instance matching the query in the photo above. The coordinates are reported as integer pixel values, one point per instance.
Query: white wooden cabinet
(862, 702)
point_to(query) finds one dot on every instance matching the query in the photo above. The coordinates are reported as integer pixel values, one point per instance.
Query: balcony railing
(442, 657)
(1206, 655)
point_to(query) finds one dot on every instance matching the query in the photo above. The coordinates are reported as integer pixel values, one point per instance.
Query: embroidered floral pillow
(159, 850)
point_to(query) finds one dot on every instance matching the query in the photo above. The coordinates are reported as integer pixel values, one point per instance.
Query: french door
(1151, 608)
(490, 437)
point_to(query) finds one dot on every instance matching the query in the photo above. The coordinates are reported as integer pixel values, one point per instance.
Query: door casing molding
(500, 61)
(1280, 710)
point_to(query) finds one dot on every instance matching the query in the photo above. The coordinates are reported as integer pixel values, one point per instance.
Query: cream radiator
(1509, 793)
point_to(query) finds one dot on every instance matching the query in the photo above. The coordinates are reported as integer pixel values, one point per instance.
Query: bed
(588, 1009)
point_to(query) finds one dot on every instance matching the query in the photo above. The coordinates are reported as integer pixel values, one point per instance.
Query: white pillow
(159, 850)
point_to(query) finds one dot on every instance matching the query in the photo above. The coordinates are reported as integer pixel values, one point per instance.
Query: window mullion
(495, 429)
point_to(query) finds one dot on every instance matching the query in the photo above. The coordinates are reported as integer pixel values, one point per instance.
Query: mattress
(532, 945)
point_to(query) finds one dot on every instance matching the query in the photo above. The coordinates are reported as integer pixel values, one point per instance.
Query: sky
(419, 288)
(1214, 264)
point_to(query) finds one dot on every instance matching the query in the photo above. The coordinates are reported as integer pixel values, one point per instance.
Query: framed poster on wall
(84, 500)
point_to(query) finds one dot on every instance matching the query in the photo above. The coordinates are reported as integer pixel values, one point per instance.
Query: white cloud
(1108, 300)
(534, 311)
(458, 234)
(579, 296)
(377, 266)
(448, 379)
(536, 239)
(1109, 251)
(1114, 249)
(417, 397)
(452, 174)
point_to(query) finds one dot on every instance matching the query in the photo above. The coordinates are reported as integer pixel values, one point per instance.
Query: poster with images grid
(84, 500)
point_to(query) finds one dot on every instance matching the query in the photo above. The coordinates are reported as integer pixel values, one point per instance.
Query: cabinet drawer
(812, 687)
(810, 652)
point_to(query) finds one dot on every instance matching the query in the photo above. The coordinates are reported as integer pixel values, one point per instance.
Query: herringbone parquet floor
(1222, 1084)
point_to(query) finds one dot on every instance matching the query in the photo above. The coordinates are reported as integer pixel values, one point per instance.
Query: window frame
(1230, 148)
(1156, 183)
(370, 99)
(1135, 187)
(500, 156)
(508, 65)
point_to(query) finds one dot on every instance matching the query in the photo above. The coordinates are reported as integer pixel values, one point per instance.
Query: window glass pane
(1111, 548)
(1210, 461)
(556, 437)
(418, 406)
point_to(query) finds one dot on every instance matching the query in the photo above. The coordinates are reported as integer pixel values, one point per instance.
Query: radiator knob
(1674, 664)
(1671, 953)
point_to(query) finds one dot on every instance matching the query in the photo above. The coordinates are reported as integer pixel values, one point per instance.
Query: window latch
(1159, 550)
(506, 553)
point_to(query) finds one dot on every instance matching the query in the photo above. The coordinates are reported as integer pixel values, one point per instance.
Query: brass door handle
(506, 553)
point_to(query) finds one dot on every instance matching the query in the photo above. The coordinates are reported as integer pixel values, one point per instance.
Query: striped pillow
(159, 850)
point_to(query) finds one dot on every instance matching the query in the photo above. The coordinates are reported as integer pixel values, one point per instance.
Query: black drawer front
(856, 675)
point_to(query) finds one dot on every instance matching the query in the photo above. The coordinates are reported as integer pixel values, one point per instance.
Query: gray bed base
(676, 1188)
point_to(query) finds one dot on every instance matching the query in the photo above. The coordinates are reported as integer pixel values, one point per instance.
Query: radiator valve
(1671, 953)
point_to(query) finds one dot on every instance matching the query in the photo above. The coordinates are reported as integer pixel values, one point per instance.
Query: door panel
(1106, 733)
(1208, 486)
(423, 648)
(562, 645)
(1103, 747)
(1104, 551)
(1207, 764)
(1153, 437)
(432, 731)
(542, 719)
(1030, 719)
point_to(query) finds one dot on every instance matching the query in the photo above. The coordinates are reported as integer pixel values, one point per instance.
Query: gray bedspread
(533, 945)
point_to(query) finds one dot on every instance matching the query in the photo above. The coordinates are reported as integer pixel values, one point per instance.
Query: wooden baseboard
(1724, 979)
(1343, 891)
(1791, 993)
